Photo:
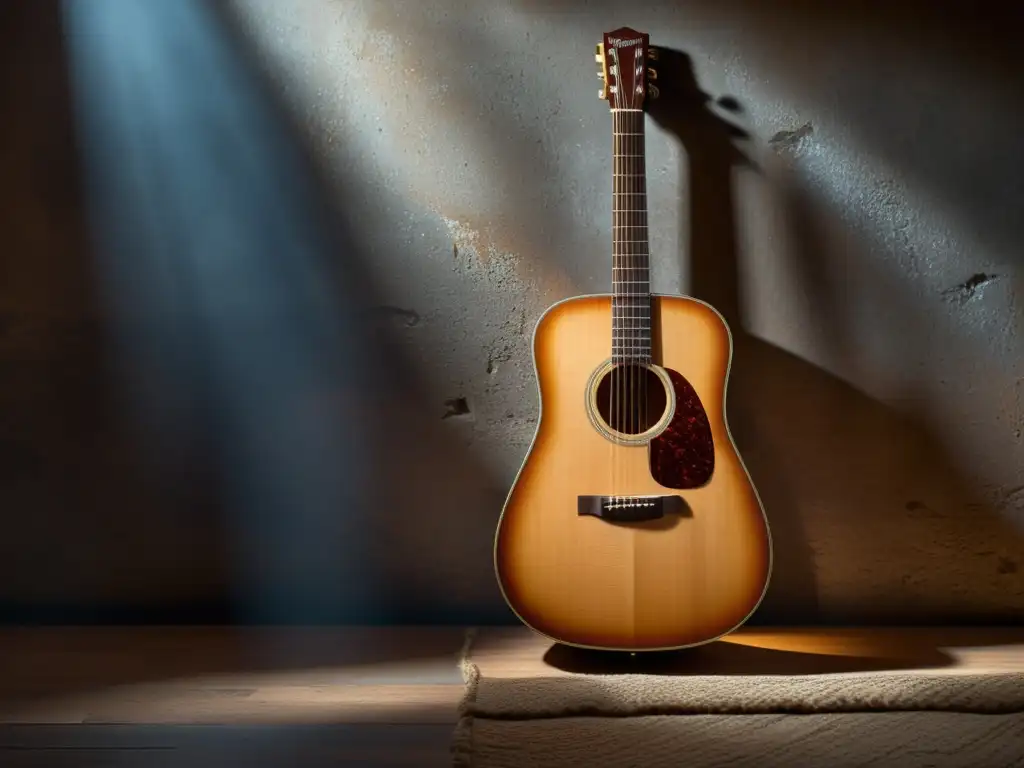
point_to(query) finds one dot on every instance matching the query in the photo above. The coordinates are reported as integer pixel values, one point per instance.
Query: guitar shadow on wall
(711, 153)
(834, 467)
(809, 440)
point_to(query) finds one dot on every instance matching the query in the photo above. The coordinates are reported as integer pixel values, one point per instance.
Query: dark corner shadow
(72, 470)
(727, 658)
(800, 428)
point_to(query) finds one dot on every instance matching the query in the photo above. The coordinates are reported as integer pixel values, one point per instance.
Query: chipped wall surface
(864, 240)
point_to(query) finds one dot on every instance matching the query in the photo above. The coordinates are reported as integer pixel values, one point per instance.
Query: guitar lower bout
(633, 524)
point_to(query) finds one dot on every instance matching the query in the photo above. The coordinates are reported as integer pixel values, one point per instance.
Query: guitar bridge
(630, 509)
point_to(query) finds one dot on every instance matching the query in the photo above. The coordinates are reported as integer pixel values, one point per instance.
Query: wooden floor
(255, 697)
(356, 696)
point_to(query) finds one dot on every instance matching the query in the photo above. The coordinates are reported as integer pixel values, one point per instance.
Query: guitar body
(616, 577)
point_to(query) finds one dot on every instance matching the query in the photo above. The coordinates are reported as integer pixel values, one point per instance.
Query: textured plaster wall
(864, 239)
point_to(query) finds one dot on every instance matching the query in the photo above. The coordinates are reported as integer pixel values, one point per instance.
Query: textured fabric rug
(850, 719)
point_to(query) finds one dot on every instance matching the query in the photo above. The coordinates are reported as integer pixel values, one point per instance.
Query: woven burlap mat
(576, 718)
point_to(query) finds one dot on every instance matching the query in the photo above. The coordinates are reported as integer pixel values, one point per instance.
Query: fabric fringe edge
(462, 739)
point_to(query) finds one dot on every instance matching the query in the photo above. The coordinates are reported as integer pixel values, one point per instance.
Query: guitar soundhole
(631, 398)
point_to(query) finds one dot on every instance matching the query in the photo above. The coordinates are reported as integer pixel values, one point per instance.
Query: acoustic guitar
(633, 524)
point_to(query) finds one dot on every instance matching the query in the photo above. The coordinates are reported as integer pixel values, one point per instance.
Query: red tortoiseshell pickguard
(683, 456)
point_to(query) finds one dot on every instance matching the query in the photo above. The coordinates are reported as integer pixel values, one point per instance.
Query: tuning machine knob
(653, 91)
(652, 54)
(652, 73)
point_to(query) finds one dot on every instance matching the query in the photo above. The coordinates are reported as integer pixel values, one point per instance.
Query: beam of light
(211, 260)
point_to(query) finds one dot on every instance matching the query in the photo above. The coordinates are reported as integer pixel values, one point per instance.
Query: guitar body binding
(630, 579)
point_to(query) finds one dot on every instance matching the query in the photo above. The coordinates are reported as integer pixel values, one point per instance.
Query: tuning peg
(597, 49)
(600, 74)
(599, 58)
(653, 91)
(652, 54)
(601, 94)
(652, 73)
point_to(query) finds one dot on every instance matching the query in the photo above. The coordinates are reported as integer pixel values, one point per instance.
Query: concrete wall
(844, 184)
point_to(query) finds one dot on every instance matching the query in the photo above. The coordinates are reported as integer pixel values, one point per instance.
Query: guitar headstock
(626, 63)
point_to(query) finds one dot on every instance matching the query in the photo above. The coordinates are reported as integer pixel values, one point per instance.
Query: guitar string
(624, 362)
(647, 336)
(624, 213)
(644, 288)
(629, 365)
(613, 383)
(632, 232)
(634, 370)
(629, 406)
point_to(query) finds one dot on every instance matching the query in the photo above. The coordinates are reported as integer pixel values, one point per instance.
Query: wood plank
(154, 704)
(212, 675)
(518, 652)
(260, 746)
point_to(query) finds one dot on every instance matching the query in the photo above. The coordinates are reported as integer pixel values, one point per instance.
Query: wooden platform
(512, 652)
(366, 696)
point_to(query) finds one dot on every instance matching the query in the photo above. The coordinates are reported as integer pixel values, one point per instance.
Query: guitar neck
(631, 285)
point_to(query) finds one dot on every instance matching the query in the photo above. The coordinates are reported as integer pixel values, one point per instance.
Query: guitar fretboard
(631, 287)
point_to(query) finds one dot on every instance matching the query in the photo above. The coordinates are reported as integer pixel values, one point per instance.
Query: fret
(631, 298)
